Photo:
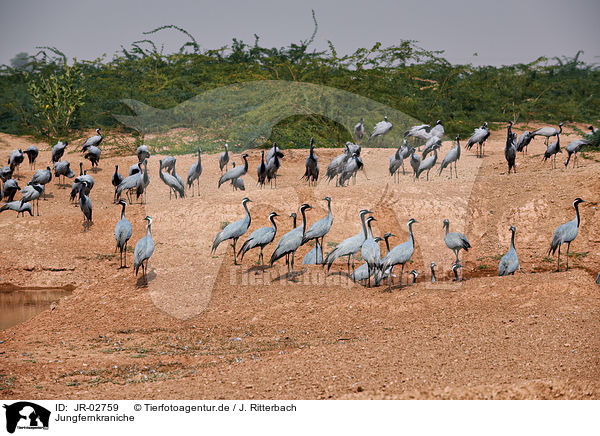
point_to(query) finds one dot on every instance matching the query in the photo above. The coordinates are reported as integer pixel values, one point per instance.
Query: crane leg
(401, 273)
(369, 275)
(568, 247)
(234, 256)
(558, 261)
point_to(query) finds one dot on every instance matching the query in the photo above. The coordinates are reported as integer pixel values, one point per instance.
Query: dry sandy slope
(203, 328)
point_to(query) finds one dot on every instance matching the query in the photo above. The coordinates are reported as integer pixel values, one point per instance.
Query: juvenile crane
(455, 241)
(123, 232)
(234, 230)
(565, 234)
(510, 261)
(143, 251)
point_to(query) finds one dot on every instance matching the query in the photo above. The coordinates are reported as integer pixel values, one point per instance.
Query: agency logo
(26, 415)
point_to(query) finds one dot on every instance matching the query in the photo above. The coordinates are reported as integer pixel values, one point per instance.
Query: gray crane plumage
(455, 241)
(224, 158)
(168, 163)
(94, 140)
(480, 135)
(116, 180)
(291, 241)
(236, 172)
(359, 129)
(509, 263)
(260, 238)
(320, 228)
(314, 253)
(123, 232)
(350, 169)
(6, 173)
(451, 157)
(350, 246)
(234, 230)
(396, 161)
(273, 165)
(143, 153)
(524, 141)
(370, 251)
(272, 151)
(261, 170)
(10, 189)
(85, 204)
(238, 184)
(432, 266)
(565, 234)
(415, 162)
(311, 173)
(92, 153)
(419, 132)
(179, 180)
(15, 159)
(143, 251)
(573, 148)
(135, 168)
(552, 150)
(510, 149)
(32, 153)
(63, 169)
(58, 150)
(18, 207)
(42, 177)
(381, 129)
(428, 163)
(547, 132)
(437, 130)
(31, 193)
(129, 183)
(194, 173)
(171, 181)
(400, 254)
(337, 164)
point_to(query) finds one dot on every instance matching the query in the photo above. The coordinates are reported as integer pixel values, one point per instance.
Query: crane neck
(294, 224)
(149, 230)
(123, 211)
(303, 222)
(81, 168)
(274, 224)
(559, 130)
(262, 157)
(455, 271)
(447, 226)
(247, 213)
(410, 235)
(364, 227)
(433, 274)
(577, 214)
(387, 244)
(370, 235)
(245, 164)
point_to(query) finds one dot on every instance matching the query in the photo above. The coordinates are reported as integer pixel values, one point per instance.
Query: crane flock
(344, 167)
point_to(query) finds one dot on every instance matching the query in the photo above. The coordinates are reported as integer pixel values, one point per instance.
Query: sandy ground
(203, 328)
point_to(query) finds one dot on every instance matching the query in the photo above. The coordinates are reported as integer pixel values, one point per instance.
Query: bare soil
(202, 328)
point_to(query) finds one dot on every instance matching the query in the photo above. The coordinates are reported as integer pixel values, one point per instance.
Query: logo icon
(26, 415)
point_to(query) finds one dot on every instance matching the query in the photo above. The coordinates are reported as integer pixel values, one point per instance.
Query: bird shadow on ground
(95, 170)
(63, 185)
(257, 269)
(288, 276)
(47, 196)
(142, 282)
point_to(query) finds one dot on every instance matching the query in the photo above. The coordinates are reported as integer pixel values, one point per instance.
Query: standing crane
(510, 261)
(428, 163)
(194, 173)
(85, 204)
(224, 158)
(236, 172)
(370, 251)
(510, 149)
(573, 148)
(565, 234)
(547, 132)
(261, 171)
(123, 232)
(380, 129)
(143, 251)
(552, 150)
(320, 228)
(311, 174)
(359, 129)
(455, 241)
(234, 230)
(400, 254)
(116, 180)
(32, 153)
(260, 238)
(349, 247)
(58, 150)
(479, 136)
(451, 157)
(291, 241)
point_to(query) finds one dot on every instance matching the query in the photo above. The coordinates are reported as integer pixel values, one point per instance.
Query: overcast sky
(499, 31)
